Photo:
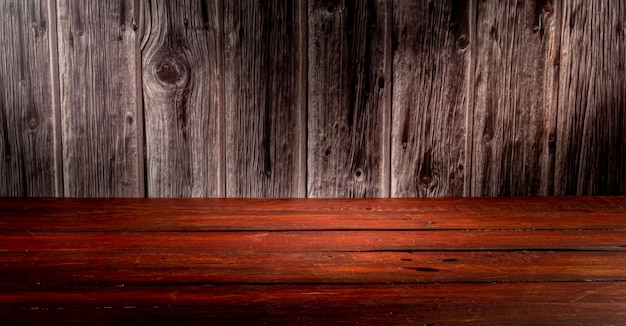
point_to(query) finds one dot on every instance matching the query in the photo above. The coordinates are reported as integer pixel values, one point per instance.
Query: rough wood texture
(100, 100)
(195, 258)
(592, 303)
(348, 98)
(183, 97)
(516, 213)
(514, 55)
(304, 98)
(431, 81)
(591, 129)
(265, 125)
(487, 261)
(30, 154)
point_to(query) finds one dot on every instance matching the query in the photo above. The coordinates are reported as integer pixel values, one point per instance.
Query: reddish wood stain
(553, 260)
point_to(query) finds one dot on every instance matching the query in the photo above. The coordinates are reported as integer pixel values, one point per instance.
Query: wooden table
(489, 261)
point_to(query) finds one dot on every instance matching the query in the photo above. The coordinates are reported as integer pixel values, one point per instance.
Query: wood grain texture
(30, 154)
(349, 98)
(430, 97)
(513, 107)
(277, 98)
(183, 97)
(242, 243)
(181, 215)
(149, 261)
(526, 260)
(265, 67)
(573, 303)
(100, 98)
(590, 151)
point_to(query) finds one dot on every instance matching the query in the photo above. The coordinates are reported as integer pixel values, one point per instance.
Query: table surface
(481, 261)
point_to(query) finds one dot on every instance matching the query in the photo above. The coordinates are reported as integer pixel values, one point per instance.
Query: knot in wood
(33, 123)
(462, 43)
(547, 8)
(171, 71)
(358, 174)
(426, 181)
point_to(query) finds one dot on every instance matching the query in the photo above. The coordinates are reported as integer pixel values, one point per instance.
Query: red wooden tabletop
(482, 261)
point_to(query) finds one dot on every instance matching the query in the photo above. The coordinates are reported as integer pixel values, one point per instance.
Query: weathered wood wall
(303, 98)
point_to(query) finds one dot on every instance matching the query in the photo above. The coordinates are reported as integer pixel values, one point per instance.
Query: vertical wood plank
(29, 156)
(591, 128)
(513, 104)
(265, 63)
(348, 98)
(98, 67)
(183, 97)
(430, 97)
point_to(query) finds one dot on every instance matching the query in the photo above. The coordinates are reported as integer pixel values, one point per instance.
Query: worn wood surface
(99, 63)
(517, 213)
(30, 155)
(592, 99)
(430, 95)
(397, 304)
(348, 98)
(183, 97)
(376, 98)
(487, 261)
(265, 122)
(515, 55)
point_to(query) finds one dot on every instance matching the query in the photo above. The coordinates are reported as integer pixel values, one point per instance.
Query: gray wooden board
(29, 145)
(99, 96)
(513, 110)
(349, 81)
(430, 96)
(183, 97)
(278, 98)
(591, 133)
(265, 98)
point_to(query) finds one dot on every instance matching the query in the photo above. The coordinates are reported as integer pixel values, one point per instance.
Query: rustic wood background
(297, 98)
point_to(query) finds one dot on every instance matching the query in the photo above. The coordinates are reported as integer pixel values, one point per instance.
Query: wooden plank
(520, 213)
(585, 303)
(30, 162)
(349, 98)
(235, 295)
(513, 111)
(37, 243)
(431, 84)
(184, 100)
(99, 67)
(265, 67)
(124, 265)
(494, 314)
(125, 261)
(591, 148)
